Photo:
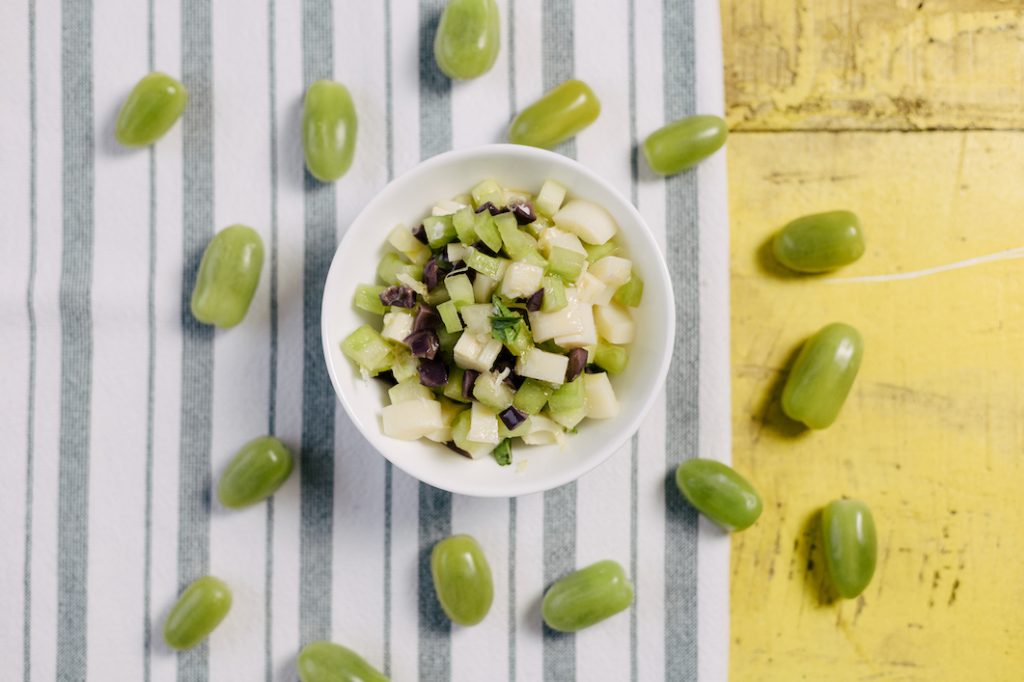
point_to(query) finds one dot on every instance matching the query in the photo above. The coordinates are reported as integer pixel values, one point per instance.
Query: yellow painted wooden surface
(932, 436)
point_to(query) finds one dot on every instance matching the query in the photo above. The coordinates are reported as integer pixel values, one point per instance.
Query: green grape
(228, 276)
(329, 662)
(462, 579)
(819, 242)
(684, 143)
(199, 610)
(255, 473)
(560, 114)
(822, 375)
(468, 38)
(153, 106)
(587, 596)
(329, 127)
(719, 493)
(850, 545)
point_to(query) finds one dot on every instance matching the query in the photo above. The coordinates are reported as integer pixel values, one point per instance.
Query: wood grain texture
(932, 435)
(874, 64)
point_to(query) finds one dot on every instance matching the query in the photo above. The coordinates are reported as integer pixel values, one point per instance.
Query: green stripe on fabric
(30, 306)
(268, 569)
(634, 443)
(197, 339)
(388, 469)
(318, 402)
(147, 561)
(559, 64)
(682, 432)
(78, 178)
(435, 506)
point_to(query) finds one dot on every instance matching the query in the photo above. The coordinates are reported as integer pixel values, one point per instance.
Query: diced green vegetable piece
(630, 293)
(570, 419)
(566, 263)
(509, 327)
(518, 432)
(611, 359)
(505, 222)
(392, 264)
(439, 229)
(533, 257)
(537, 227)
(437, 296)
(453, 389)
(532, 396)
(494, 394)
(552, 347)
(488, 190)
(402, 238)
(568, 397)
(596, 252)
(503, 453)
(487, 231)
(447, 339)
(368, 298)
(488, 265)
(464, 222)
(550, 198)
(554, 294)
(368, 349)
(460, 289)
(410, 389)
(405, 365)
(450, 316)
(519, 245)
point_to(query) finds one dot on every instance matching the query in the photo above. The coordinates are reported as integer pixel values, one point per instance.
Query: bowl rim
(663, 279)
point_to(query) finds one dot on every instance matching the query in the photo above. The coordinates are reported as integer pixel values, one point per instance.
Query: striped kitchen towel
(121, 409)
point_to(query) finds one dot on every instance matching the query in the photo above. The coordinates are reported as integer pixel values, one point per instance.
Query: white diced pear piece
(488, 354)
(590, 288)
(564, 322)
(614, 272)
(442, 435)
(410, 389)
(587, 336)
(539, 438)
(473, 351)
(456, 252)
(412, 419)
(477, 317)
(550, 198)
(614, 323)
(543, 366)
(483, 288)
(397, 325)
(601, 400)
(570, 419)
(447, 207)
(521, 280)
(401, 238)
(483, 425)
(553, 237)
(588, 221)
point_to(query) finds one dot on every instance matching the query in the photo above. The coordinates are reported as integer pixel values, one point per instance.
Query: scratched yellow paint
(932, 436)
(879, 64)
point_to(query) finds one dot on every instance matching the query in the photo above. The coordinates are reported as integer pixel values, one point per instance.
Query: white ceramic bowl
(406, 200)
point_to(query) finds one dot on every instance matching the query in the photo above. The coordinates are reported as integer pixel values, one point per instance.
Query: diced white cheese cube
(553, 237)
(477, 352)
(614, 323)
(521, 280)
(587, 336)
(397, 325)
(412, 419)
(477, 317)
(543, 366)
(483, 288)
(590, 288)
(601, 400)
(456, 252)
(446, 207)
(588, 221)
(483, 425)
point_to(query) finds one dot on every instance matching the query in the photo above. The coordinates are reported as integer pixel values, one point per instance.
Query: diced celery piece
(401, 238)
(552, 347)
(518, 244)
(447, 339)
(550, 198)
(437, 296)
(367, 349)
(404, 366)
(368, 298)
(410, 389)
(439, 230)
(488, 190)
(460, 289)
(450, 316)
(596, 252)
(488, 265)
(495, 394)
(565, 263)
(537, 227)
(519, 431)
(569, 419)
(533, 257)
(505, 221)
(567, 397)
(630, 293)
(464, 222)
(487, 231)
(554, 294)
(519, 342)
(483, 288)
(611, 359)
(532, 396)
(453, 389)
(392, 264)
(460, 433)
